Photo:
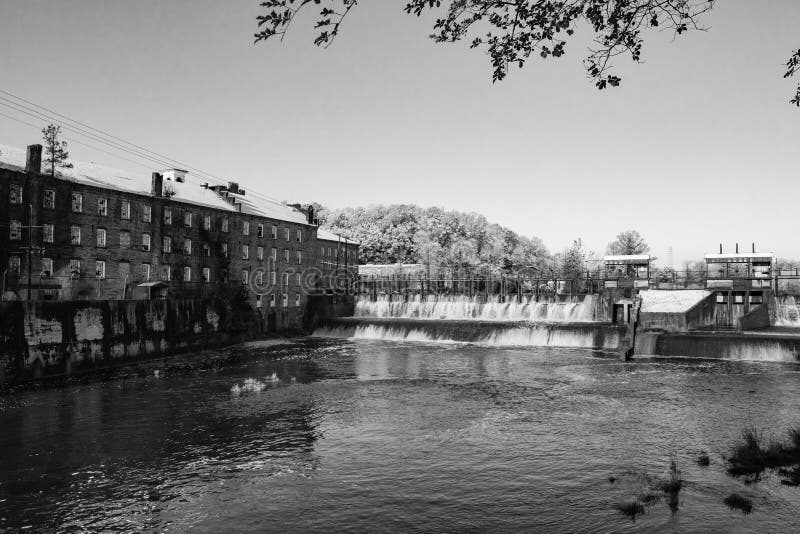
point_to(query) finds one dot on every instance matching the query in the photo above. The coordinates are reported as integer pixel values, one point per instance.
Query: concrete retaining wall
(47, 338)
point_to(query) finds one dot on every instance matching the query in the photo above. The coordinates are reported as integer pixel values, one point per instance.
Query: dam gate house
(627, 271)
(740, 281)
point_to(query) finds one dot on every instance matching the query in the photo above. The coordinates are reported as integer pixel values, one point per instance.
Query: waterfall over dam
(575, 309)
(601, 336)
(527, 321)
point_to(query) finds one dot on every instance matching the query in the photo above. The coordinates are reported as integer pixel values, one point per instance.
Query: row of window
(101, 239)
(145, 271)
(49, 202)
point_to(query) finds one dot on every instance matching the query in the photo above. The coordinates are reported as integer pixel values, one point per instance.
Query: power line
(104, 133)
(73, 140)
(102, 137)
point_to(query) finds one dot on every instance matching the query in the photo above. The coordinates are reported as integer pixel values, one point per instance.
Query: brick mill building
(97, 233)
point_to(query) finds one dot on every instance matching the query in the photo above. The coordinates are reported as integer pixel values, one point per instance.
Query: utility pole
(30, 247)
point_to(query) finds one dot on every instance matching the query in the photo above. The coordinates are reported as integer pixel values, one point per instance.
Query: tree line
(461, 242)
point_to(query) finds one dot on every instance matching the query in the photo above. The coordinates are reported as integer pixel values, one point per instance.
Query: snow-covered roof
(671, 301)
(189, 191)
(327, 235)
(627, 258)
(740, 257)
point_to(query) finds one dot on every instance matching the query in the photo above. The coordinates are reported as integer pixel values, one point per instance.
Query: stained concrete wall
(46, 338)
(733, 346)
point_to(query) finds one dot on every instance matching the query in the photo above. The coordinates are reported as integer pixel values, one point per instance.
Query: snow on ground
(671, 301)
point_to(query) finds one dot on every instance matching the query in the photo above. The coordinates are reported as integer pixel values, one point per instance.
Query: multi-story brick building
(337, 259)
(96, 233)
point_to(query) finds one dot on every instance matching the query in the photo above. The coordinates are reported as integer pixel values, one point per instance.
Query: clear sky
(697, 146)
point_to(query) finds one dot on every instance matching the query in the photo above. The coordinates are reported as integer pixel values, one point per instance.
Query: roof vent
(179, 175)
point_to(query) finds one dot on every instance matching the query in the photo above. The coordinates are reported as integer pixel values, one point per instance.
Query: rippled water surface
(338, 435)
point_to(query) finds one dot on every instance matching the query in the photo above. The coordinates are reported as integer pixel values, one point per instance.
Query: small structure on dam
(628, 270)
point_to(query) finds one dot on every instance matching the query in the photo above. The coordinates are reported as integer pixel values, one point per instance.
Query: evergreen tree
(55, 150)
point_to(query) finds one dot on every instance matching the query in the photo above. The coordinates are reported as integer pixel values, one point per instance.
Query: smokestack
(737, 248)
(33, 159)
(157, 185)
(720, 248)
(754, 248)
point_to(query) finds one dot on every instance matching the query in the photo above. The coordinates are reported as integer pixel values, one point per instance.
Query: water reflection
(369, 435)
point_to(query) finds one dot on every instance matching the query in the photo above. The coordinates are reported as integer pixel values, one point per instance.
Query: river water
(366, 435)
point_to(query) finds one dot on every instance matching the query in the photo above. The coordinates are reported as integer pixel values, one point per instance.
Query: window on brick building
(206, 249)
(166, 244)
(167, 215)
(207, 222)
(125, 210)
(124, 269)
(15, 194)
(47, 266)
(260, 230)
(245, 252)
(246, 227)
(274, 232)
(285, 279)
(166, 273)
(145, 272)
(245, 276)
(274, 254)
(260, 277)
(225, 224)
(285, 299)
(260, 253)
(272, 300)
(14, 263)
(125, 239)
(225, 249)
(187, 219)
(100, 269)
(272, 277)
(299, 236)
(297, 299)
(75, 267)
(101, 237)
(297, 277)
(15, 230)
(49, 199)
(77, 203)
(102, 206)
(147, 213)
(187, 246)
(187, 273)
(286, 234)
(258, 301)
(75, 235)
(146, 242)
(48, 233)
(286, 255)
(299, 257)
(206, 274)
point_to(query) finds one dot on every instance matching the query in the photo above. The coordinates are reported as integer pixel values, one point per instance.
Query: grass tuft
(631, 509)
(736, 501)
(753, 455)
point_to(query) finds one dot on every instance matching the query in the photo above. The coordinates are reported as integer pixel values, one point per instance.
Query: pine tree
(56, 153)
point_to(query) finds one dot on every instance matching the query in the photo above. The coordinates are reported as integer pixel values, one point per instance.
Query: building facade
(99, 234)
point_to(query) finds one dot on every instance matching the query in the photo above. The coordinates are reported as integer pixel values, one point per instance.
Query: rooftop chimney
(720, 248)
(310, 214)
(33, 159)
(157, 185)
